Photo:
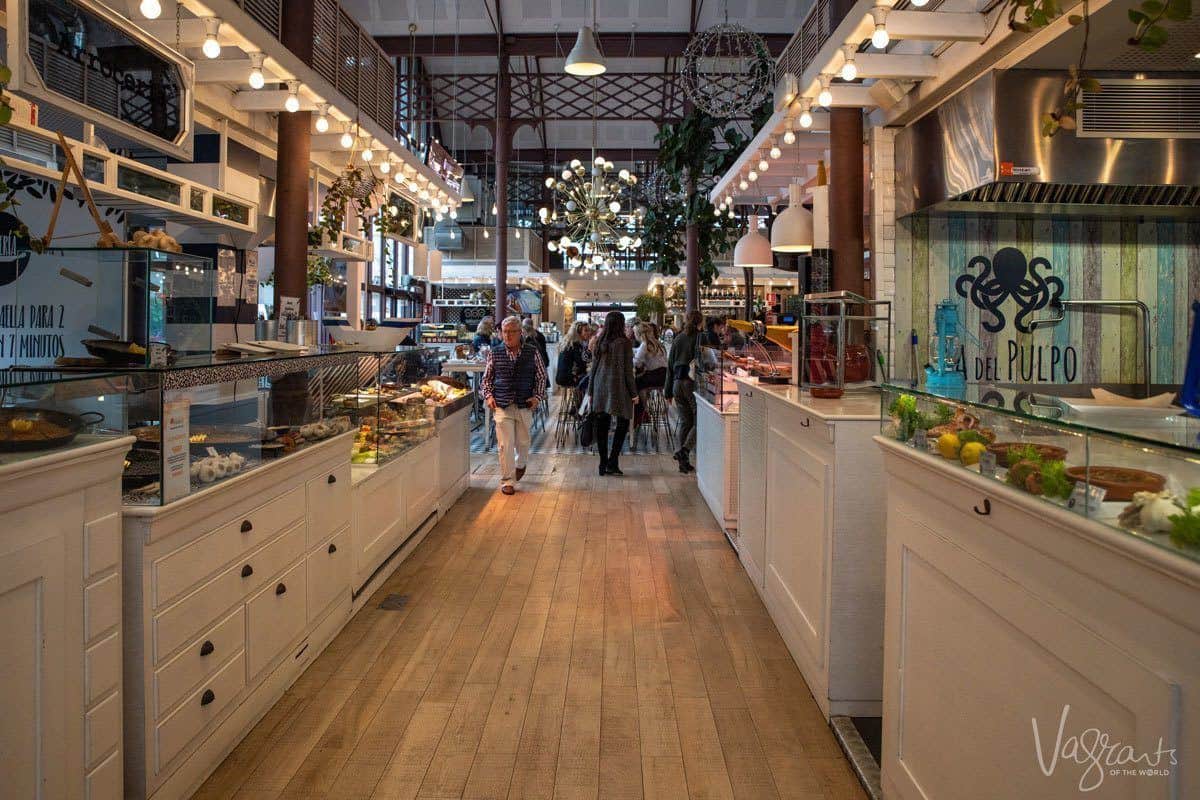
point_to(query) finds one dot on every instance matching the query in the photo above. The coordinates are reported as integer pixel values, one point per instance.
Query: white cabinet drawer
(183, 621)
(101, 607)
(329, 571)
(274, 618)
(177, 573)
(804, 428)
(328, 503)
(199, 710)
(199, 660)
(102, 668)
(102, 730)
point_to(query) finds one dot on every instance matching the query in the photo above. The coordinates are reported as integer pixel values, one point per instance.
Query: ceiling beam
(556, 157)
(547, 45)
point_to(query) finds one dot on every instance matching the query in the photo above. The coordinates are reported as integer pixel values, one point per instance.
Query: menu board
(445, 166)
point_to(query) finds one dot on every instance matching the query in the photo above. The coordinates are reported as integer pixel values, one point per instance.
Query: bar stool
(658, 418)
(567, 421)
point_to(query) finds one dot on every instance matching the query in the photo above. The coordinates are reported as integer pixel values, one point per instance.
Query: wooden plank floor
(586, 638)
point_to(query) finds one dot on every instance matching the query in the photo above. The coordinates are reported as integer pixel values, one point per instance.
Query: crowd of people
(607, 373)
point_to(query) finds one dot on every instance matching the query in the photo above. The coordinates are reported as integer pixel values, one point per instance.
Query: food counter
(242, 553)
(1042, 571)
(60, 587)
(716, 454)
(810, 534)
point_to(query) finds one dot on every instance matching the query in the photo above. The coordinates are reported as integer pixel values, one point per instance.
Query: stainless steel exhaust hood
(1136, 150)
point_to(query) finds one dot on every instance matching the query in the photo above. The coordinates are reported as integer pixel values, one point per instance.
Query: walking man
(514, 384)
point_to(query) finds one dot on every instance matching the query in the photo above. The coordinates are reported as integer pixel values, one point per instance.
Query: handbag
(587, 433)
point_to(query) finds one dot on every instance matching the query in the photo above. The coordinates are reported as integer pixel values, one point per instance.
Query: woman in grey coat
(612, 389)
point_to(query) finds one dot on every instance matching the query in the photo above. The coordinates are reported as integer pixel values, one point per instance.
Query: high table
(473, 369)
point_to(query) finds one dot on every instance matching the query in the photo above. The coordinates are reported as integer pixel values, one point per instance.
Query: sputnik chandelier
(592, 213)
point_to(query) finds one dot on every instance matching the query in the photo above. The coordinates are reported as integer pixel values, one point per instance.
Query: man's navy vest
(514, 381)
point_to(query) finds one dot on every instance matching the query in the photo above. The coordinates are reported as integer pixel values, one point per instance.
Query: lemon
(948, 445)
(970, 453)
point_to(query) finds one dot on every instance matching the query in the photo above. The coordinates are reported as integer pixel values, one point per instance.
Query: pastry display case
(717, 367)
(101, 308)
(206, 419)
(47, 412)
(1131, 466)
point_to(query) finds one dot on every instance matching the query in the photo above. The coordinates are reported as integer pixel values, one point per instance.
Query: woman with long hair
(681, 388)
(571, 365)
(612, 389)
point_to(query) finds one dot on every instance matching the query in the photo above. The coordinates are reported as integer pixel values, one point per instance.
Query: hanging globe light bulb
(763, 166)
(775, 151)
(322, 122)
(347, 140)
(368, 153)
(806, 119)
(385, 166)
(849, 68)
(486, 235)
(292, 103)
(752, 176)
(255, 79)
(211, 47)
(880, 38)
(549, 183)
(151, 9)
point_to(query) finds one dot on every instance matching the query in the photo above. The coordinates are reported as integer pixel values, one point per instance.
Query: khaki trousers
(512, 440)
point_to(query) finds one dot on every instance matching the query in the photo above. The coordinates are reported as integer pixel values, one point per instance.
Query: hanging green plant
(649, 306)
(320, 271)
(690, 158)
(352, 188)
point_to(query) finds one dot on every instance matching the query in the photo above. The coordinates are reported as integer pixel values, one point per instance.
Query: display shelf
(1132, 468)
(716, 369)
(115, 180)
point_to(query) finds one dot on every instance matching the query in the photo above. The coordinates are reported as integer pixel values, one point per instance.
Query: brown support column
(692, 270)
(748, 274)
(503, 147)
(846, 198)
(291, 171)
(291, 223)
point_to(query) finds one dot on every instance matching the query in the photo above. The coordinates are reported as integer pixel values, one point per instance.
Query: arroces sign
(1009, 277)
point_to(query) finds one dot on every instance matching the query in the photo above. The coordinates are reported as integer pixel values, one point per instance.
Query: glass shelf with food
(207, 419)
(43, 413)
(716, 369)
(1133, 466)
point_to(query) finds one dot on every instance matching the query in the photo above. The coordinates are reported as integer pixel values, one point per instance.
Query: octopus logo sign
(14, 248)
(1006, 276)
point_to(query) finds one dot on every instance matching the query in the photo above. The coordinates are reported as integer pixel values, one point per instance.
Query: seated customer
(650, 368)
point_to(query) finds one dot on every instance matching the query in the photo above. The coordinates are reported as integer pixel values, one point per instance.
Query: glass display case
(716, 369)
(206, 419)
(844, 340)
(98, 308)
(1134, 467)
(50, 412)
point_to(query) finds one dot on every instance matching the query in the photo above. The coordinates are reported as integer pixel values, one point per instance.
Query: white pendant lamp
(793, 229)
(753, 249)
(585, 58)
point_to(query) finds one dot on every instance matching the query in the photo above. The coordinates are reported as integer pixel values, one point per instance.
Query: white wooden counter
(811, 535)
(1006, 614)
(716, 460)
(60, 622)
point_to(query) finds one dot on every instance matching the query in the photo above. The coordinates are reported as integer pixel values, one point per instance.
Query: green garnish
(943, 414)
(1185, 526)
(971, 436)
(1025, 452)
(1055, 482)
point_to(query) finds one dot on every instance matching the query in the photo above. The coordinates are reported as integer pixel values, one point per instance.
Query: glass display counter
(51, 412)
(716, 368)
(1133, 467)
(99, 308)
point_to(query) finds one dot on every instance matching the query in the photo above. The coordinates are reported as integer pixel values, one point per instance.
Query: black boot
(685, 466)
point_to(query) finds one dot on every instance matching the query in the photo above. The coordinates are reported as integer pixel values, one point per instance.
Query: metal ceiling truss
(549, 45)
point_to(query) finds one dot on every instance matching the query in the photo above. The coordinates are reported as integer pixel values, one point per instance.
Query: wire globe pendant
(594, 203)
(728, 70)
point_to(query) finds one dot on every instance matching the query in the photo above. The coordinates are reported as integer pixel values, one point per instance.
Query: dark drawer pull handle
(246, 526)
(280, 589)
(332, 549)
(206, 648)
(247, 571)
(332, 479)
(806, 423)
(207, 697)
(987, 508)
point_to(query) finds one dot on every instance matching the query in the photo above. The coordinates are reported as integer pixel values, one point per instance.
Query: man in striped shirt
(513, 385)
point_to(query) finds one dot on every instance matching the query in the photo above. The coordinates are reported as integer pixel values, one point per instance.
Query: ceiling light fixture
(211, 47)
(789, 136)
(151, 9)
(849, 68)
(256, 79)
(385, 166)
(753, 249)
(368, 153)
(919, 3)
(825, 98)
(752, 176)
(322, 123)
(806, 118)
(347, 140)
(743, 185)
(292, 103)
(585, 59)
(793, 228)
(763, 165)
(880, 38)
(775, 152)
